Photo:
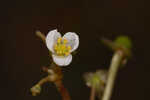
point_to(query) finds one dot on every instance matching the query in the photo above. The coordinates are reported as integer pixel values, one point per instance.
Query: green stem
(115, 63)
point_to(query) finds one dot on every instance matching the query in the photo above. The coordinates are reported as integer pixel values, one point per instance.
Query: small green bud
(123, 41)
(36, 90)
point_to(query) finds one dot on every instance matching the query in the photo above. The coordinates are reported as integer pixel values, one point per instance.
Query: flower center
(61, 48)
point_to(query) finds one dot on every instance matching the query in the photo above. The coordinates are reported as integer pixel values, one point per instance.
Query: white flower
(62, 47)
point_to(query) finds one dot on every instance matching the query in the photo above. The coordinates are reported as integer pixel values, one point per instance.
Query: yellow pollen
(69, 47)
(65, 41)
(66, 53)
(59, 40)
(61, 48)
(55, 47)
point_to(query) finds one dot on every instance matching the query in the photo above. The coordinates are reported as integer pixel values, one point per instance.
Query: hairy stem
(115, 63)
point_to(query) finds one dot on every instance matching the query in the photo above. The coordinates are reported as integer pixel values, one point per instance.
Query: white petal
(51, 38)
(73, 40)
(62, 61)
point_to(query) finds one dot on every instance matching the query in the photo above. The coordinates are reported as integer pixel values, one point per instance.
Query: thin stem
(58, 82)
(42, 36)
(62, 90)
(44, 80)
(92, 96)
(115, 63)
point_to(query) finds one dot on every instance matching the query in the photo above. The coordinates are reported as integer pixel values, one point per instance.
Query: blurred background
(23, 54)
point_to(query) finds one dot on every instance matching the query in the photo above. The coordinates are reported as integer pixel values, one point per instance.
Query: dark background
(23, 54)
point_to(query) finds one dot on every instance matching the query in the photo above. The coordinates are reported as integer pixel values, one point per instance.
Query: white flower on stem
(62, 47)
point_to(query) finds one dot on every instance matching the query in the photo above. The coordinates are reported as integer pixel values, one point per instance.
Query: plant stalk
(42, 81)
(62, 90)
(40, 35)
(92, 96)
(114, 66)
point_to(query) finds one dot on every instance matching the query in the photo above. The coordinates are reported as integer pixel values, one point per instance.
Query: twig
(115, 63)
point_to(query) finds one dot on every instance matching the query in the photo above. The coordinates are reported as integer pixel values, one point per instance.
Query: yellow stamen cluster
(61, 48)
